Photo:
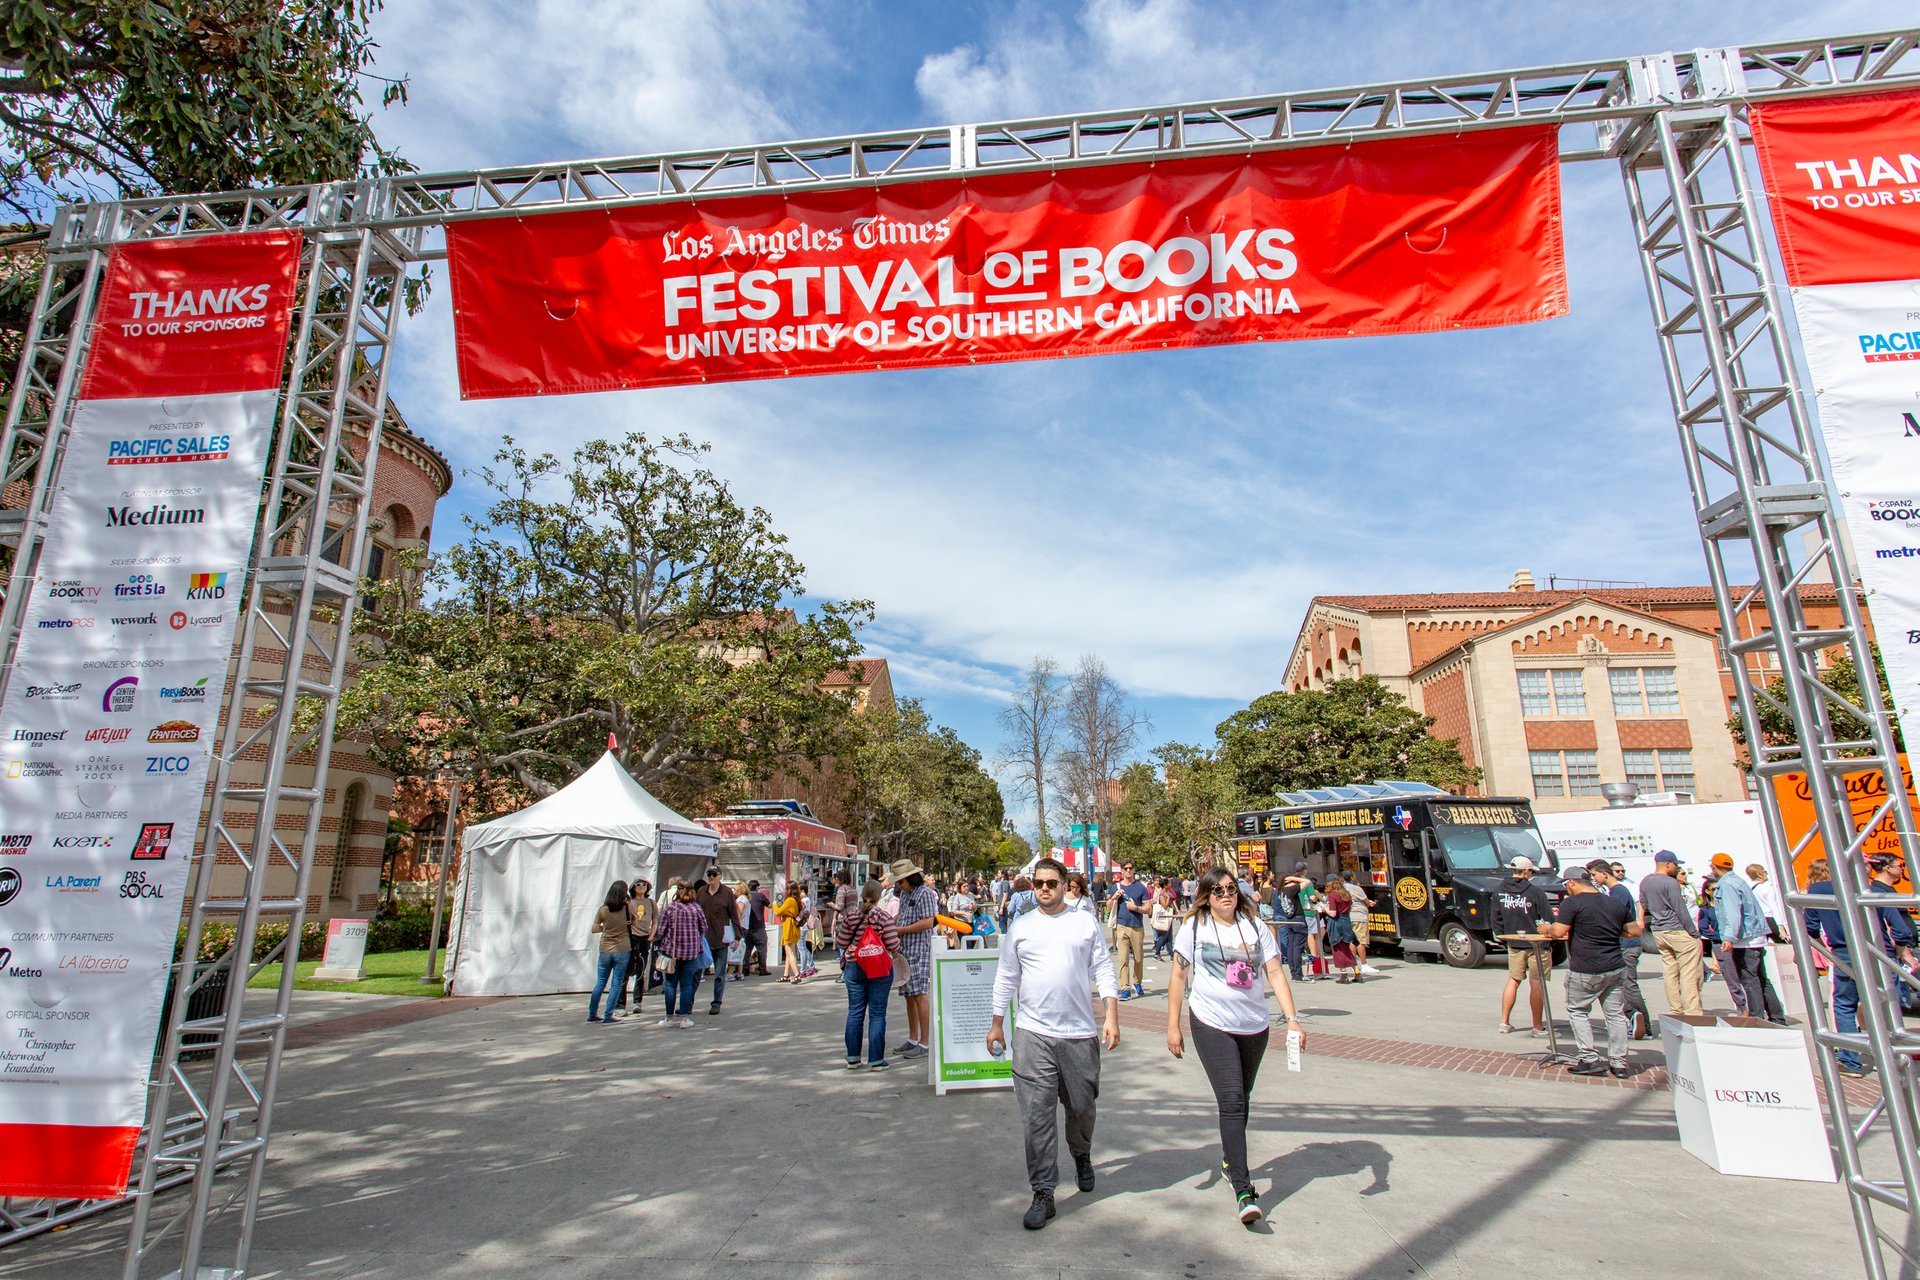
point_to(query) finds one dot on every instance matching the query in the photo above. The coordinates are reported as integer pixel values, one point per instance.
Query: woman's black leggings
(1231, 1061)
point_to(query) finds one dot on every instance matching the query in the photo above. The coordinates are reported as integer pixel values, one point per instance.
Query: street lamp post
(440, 881)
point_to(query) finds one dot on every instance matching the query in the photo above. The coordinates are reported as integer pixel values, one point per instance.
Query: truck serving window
(1471, 848)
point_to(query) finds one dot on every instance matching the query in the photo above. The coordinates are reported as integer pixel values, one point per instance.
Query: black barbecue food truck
(1429, 862)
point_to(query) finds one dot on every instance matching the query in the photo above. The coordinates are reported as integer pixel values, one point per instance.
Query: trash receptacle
(1744, 1099)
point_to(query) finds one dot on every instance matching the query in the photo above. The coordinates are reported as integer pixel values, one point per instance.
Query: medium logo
(175, 731)
(119, 695)
(207, 586)
(157, 514)
(10, 883)
(155, 839)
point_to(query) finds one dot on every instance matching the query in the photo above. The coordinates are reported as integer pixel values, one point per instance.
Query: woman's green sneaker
(1250, 1208)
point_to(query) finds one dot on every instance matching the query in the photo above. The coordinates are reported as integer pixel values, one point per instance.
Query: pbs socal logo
(10, 883)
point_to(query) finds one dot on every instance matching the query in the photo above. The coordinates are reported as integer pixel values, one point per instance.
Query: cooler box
(1744, 1098)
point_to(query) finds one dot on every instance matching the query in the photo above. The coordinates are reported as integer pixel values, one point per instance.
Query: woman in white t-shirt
(1220, 950)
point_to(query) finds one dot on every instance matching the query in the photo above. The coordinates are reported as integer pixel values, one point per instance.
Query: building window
(1643, 770)
(1560, 692)
(1565, 773)
(1546, 773)
(349, 819)
(1660, 770)
(1643, 691)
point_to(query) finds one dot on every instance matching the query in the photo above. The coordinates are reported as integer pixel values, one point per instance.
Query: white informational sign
(1744, 1099)
(962, 999)
(111, 709)
(345, 957)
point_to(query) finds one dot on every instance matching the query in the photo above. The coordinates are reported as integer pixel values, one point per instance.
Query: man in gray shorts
(1054, 961)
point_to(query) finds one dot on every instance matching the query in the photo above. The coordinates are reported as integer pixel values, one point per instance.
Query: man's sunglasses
(1048, 883)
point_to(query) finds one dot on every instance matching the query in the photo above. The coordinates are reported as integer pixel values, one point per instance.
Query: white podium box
(346, 953)
(1744, 1099)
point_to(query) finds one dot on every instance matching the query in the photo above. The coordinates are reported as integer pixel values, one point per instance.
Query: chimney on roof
(1522, 580)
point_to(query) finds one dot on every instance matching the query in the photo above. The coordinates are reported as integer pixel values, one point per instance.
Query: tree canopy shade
(1350, 731)
(627, 592)
(110, 99)
(918, 791)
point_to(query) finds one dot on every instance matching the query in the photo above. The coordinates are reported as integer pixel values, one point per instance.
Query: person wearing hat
(916, 911)
(1519, 905)
(1665, 913)
(1744, 936)
(1895, 932)
(716, 900)
(1592, 924)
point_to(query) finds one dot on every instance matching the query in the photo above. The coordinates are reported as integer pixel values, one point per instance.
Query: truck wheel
(1460, 947)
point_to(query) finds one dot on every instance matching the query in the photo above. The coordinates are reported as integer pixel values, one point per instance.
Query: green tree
(626, 593)
(1350, 731)
(1843, 677)
(1205, 798)
(1009, 849)
(1146, 823)
(918, 791)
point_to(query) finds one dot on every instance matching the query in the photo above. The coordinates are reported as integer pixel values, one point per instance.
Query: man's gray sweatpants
(1047, 1073)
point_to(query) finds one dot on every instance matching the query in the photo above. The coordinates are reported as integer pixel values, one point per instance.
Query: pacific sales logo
(120, 694)
(210, 448)
(139, 586)
(175, 731)
(207, 586)
(155, 839)
(1879, 348)
(195, 692)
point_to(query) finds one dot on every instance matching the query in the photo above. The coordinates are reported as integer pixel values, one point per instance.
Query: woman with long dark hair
(1340, 935)
(1219, 952)
(616, 948)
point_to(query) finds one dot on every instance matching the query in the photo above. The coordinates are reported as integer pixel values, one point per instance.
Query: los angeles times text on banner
(1403, 236)
(111, 711)
(1843, 176)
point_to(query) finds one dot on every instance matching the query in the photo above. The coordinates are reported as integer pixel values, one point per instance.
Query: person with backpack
(869, 942)
(1220, 952)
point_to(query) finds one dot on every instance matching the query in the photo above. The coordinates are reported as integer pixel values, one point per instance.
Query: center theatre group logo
(155, 839)
(120, 694)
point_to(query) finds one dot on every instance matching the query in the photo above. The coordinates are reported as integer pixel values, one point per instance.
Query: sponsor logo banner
(1402, 236)
(103, 749)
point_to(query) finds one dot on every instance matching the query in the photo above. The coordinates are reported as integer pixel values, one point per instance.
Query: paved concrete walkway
(513, 1139)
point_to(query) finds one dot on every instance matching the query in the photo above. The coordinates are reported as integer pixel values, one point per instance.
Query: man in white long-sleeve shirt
(1054, 961)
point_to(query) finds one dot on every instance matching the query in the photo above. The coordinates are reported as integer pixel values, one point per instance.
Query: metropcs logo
(1879, 348)
(207, 586)
(123, 453)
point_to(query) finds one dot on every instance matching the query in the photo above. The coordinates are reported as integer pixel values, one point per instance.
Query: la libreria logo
(120, 695)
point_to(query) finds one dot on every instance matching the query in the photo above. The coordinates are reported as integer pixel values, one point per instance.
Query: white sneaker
(686, 1024)
(667, 1022)
(1369, 970)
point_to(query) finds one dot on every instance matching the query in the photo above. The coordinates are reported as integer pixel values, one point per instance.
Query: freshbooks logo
(195, 692)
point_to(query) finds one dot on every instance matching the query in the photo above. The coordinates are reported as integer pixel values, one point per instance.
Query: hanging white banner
(112, 707)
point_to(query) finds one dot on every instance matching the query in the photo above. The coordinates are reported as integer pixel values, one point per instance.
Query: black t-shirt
(757, 904)
(1595, 920)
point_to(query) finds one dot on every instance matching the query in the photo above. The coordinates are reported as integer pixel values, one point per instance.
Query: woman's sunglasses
(1225, 891)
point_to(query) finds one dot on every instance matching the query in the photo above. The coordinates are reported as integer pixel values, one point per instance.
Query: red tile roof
(1639, 597)
(870, 669)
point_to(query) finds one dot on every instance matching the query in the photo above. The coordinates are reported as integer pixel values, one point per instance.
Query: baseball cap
(712, 872)
(1299, 866)
(1521, 863)
(1722, 862)
(1576, 873)
(1665, 855)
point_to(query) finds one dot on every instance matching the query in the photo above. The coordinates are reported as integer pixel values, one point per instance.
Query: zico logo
(72, 589)
(207, 586)
(195, 692)
(14, 843)
(1878, 348)
(122, 453)
(174, 731)
(169, 764)
(138, 587)
(119, 695)
(107, 737)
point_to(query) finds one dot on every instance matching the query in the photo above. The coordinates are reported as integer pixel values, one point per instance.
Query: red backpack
(870, 951)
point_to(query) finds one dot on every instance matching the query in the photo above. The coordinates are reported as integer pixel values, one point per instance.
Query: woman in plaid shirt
(683, 925)
(867, 997)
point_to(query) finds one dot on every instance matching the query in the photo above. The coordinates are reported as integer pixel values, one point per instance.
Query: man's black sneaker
(1619, 1072)
(1083, 1172)
(1040, 1212)
(713, 1010)
(1249, 1208)
(1591, 1067)
(853, 1064)
(882, 1065)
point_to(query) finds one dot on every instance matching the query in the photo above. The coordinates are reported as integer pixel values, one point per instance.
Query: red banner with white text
(1405, 236)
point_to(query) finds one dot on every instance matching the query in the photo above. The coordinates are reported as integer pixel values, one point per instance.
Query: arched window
(343, 846)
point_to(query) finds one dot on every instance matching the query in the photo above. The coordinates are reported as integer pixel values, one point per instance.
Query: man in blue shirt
(1896, 934)
(1129, 932)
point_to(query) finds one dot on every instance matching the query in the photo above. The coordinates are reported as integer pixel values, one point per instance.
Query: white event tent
(531, 882)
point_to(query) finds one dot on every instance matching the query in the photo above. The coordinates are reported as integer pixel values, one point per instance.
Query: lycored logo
(120, 694)
(155, 839)
(177, 620)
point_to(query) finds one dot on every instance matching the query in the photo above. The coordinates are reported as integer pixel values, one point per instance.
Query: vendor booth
(531, 882)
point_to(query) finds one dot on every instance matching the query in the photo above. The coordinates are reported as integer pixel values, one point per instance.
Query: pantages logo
(157, 514)
(175, 731)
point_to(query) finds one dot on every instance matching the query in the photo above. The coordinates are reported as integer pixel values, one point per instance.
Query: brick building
(1553, 692)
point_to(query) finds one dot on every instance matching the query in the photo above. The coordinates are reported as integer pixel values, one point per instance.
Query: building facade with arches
(1552, 693)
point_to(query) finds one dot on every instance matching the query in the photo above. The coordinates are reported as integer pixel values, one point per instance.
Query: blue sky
(1173, 512)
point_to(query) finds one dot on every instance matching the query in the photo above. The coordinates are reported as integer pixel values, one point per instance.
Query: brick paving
(397, 1015)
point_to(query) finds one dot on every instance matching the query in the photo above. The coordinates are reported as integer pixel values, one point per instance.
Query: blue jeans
(867, 1001)
(1846, 1009)
(681, 985)
(806, 954)
(1293, 947)
(613, 976)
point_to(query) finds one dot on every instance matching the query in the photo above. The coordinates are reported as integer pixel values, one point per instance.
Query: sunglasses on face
(1046, 884)
(1225, 891)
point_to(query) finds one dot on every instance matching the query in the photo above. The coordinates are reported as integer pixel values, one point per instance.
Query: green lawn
(390, 973)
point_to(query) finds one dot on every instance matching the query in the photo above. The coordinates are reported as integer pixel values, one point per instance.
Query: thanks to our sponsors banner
(1404, 236)
(112, 706)
(1843, 176)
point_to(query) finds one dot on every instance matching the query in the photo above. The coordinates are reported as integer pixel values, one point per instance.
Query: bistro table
(1540, 942)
